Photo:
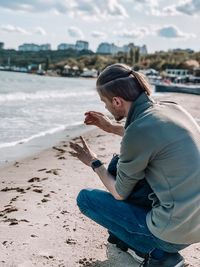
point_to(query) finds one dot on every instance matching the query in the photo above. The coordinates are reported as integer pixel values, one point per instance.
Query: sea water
(35, 109)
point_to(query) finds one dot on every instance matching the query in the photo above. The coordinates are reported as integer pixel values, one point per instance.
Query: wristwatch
(96, 164)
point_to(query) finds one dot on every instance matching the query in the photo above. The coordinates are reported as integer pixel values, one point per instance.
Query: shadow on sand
(116, 258)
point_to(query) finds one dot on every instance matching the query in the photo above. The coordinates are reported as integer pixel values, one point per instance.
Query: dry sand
(40, 224)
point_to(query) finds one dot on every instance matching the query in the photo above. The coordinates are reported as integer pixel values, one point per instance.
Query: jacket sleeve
(135, 154)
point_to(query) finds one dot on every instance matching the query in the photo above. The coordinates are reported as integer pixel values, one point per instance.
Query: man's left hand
(83, 153)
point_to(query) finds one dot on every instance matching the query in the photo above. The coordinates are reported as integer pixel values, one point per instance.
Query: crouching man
(161, 144)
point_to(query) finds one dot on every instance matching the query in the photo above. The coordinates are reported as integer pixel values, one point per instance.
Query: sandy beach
(40, 224)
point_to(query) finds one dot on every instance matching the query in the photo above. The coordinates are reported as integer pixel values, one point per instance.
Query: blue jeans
(125, 220)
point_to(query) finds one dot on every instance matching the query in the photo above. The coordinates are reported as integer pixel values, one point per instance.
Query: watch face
(96, 163)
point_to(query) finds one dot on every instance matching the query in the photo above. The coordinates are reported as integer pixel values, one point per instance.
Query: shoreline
(40, 224)
(36, 145)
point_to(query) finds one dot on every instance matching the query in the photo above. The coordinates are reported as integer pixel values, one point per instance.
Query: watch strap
(96, 164)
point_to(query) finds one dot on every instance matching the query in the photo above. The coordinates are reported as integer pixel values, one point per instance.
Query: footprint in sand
(70, 241)
(59, 149)
(40, 170)
(54, 171)
(38, 190)
(18, 189)
(34, 179)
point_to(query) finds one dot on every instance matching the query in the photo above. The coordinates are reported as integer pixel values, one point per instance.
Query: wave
(41, 134)
(42, 95)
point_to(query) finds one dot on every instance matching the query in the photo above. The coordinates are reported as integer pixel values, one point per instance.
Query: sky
(159, 24)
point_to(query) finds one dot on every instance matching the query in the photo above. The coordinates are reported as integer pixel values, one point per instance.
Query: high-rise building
(143, 50)
(106, 48)
(1, 45)
(81, 45)
(45, 47)
(29, 47)
(64, 46)
(34, 47)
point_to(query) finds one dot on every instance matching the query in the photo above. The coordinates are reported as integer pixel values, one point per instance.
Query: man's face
(116, 110)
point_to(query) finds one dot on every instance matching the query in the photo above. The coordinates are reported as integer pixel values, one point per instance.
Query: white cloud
(97, 34)
(145, 6)
(137, 32)
(166, 11)
(14, 29)
(171, 31)
(148, 2)
(75, 32)
(116, 9)
(189, 7)
(85, 8)
(40, 31)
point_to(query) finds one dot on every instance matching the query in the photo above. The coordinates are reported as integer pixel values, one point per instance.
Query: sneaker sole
(180, 264)
(136, 257)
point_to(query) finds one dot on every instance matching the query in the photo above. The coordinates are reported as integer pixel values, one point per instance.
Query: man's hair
(120, 80)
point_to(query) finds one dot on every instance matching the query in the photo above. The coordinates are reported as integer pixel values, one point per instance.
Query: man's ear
(117, 101)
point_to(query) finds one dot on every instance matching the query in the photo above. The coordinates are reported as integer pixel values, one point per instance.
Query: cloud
(85, 8)
(145, 6)
(191, 7)
(40, 31)
(166, 11)
(116, 9)
(97, 34)
(14, 29)
(75, 32)
(172, 32)
(148, 2)
(137, 32)
(187, 7)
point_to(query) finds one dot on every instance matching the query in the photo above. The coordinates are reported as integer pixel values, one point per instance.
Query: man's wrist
(117, 129)
(96, 163)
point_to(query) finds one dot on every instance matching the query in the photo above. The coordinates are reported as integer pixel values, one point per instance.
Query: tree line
(52, 60)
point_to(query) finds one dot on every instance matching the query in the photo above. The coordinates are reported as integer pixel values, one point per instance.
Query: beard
(118, 118)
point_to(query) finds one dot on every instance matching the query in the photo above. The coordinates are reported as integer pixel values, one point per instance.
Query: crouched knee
(83, 200)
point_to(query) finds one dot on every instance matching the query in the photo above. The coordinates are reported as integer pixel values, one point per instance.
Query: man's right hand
(98, 119)
(103, 122)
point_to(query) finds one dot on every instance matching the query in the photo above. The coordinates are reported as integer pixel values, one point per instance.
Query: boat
(178, 88)
(93, 73)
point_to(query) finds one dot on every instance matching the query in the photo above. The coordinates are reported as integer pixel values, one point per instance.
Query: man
(161, 143)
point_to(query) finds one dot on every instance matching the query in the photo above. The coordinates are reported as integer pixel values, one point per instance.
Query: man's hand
(83, 153)
(103, 122)
(98, 119)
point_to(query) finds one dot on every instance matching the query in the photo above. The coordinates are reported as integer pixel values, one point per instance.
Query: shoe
(172, 260)
(138, 256)
(116, 241)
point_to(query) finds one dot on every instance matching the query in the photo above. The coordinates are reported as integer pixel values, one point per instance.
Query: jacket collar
(142, 103)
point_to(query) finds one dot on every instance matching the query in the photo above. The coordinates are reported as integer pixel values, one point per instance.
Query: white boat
(89, 73)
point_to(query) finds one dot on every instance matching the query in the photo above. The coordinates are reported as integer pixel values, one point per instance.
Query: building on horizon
(65, 46)
(81, 45)
(143, 50)
(107, 48)
(1, 45)
(104, 48)
(45, 47)
(188, 50)
(34, 47)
